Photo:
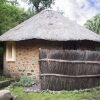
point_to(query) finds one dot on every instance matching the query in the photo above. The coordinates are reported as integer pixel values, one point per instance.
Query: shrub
(25, 81)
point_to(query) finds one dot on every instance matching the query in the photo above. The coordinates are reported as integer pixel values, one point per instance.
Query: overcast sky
(76, 10)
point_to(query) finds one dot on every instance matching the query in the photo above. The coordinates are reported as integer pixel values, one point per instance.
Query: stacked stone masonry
(27, 57)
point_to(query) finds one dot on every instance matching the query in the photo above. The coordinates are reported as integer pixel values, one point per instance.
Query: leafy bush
(3, 78)
(25, 81)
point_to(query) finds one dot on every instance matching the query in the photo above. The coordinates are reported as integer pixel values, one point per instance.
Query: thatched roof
(49, 25)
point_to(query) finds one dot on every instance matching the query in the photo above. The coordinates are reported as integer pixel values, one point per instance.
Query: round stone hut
(47, 30)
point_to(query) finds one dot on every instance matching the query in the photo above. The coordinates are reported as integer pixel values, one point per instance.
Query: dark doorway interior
(1, 58)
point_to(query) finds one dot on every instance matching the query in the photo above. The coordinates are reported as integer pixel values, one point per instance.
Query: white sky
(76, 10)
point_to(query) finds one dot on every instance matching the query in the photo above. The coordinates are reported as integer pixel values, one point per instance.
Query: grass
(64, 95)
(3, 78)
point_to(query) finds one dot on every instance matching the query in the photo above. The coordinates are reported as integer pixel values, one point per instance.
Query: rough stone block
(6, 95)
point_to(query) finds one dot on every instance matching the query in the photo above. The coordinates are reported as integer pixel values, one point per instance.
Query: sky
(76, 10)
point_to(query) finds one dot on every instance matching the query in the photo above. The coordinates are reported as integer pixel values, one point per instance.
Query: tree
(94, 24)
(2, 1)
(13, 2)
(41, 4)
(10, 16)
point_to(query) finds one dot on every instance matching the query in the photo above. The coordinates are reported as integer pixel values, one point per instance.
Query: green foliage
(41, 4)
(2, 78)
(25, 81)
(12, 2)
(10, 16)
(94, 24)
(2, 1)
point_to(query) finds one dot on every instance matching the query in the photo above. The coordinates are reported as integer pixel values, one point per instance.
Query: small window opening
(10, 51)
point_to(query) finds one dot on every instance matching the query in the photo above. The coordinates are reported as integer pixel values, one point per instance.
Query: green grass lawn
(90, 95)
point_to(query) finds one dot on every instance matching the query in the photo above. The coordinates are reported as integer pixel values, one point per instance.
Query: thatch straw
(49, 25)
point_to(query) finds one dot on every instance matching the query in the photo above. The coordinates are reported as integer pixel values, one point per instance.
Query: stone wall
(27, 56)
